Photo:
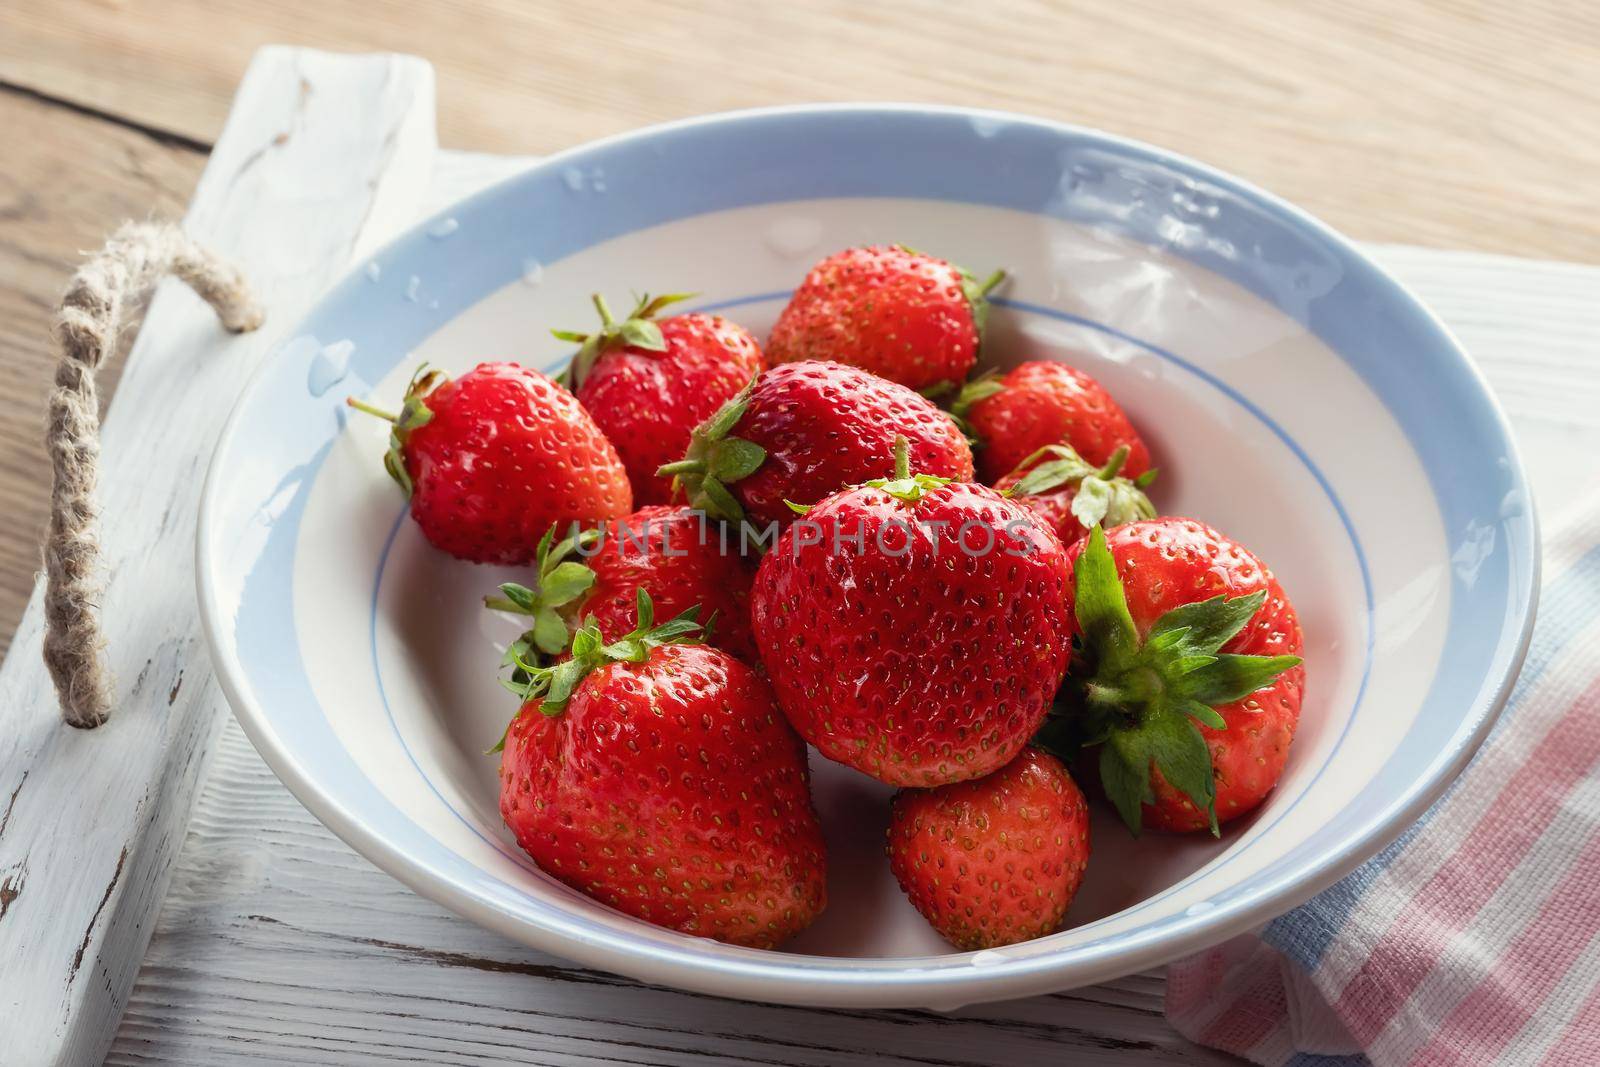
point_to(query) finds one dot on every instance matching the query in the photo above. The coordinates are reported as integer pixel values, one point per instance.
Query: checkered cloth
(1474, 939)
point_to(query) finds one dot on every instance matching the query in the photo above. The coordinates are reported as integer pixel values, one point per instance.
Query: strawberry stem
(606, 318)
(986, 286)
(902, 458)
(1114, 464)
(361, 405)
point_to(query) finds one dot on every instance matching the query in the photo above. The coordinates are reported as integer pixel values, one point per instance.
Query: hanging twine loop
(87, 327)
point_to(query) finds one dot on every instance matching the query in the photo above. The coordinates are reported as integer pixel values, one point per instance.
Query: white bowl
(1294, 395)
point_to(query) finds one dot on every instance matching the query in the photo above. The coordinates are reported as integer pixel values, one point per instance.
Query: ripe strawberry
(1046, 403)
(649, 383)
(806, 430)
(662, 780)
(904, 316)
(1069, 495)
(682, 561)
(915, 629)
(493, 459)
(997, 860)
(1190, 680)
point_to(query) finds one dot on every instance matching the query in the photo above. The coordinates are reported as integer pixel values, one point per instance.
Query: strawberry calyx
(904, 486)
(1141, 702)
(1103, 496)
(957, 399)
(977, 293)
(636, 330)
(413, 414)
(561, 581)
(554, 685)
(716, 459)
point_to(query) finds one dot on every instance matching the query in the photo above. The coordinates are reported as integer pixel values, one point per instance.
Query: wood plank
(279, 944)
(67, 181)
(1454, 123)
(322, 156)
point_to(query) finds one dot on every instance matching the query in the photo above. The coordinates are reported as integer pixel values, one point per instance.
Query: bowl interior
(369, 679)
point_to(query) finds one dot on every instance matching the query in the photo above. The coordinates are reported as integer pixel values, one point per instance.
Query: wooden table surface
(1452, 123)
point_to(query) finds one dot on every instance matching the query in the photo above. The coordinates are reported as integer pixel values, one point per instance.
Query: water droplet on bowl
(989, 957)
(532, 273)
(443, 228)
(986, 126)
(413, 288)
(374, 272)
(328, 367)
(794, 237)
(1199, 909)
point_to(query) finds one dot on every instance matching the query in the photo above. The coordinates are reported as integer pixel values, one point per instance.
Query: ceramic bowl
(1295, 396)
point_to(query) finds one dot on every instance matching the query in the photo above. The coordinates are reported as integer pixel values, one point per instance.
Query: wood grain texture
(1454, 123)
(66, 181)
(280, 945)
(323, 157)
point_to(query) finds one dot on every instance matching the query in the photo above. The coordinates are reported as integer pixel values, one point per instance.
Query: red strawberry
(902, 315)
(649, 383)
(682, 561)
(1069, 495)
(662, 780)
(805, 430)
(1191, 679)
(1047, 403)
(915, 629)
(493, 459)
(994, 861)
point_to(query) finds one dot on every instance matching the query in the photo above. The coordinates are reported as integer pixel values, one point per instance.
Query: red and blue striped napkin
(1474, 939)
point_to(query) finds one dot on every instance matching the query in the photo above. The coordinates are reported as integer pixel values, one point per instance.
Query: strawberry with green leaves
(682, 560)
(1070, 495)
(673, 553)
(1044, 402)
(493, 459)
(648, 382)
(996, 860)
(1187, 676)
(660, 778)
(903, 315)
(802, 431)
(915, 628)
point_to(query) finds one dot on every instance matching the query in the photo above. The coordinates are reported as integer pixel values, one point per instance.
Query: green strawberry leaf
(1228, 678)
(1179, 751)
(565, 583)
(725, 418)
(1211, 623)
(1101, 606)
(1125, 777)
(733, 458)
(1204, 714)
(1091, 502)
(715, 500)
(549, 632)
(642, 334)
(982, 387)
(977, 294)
